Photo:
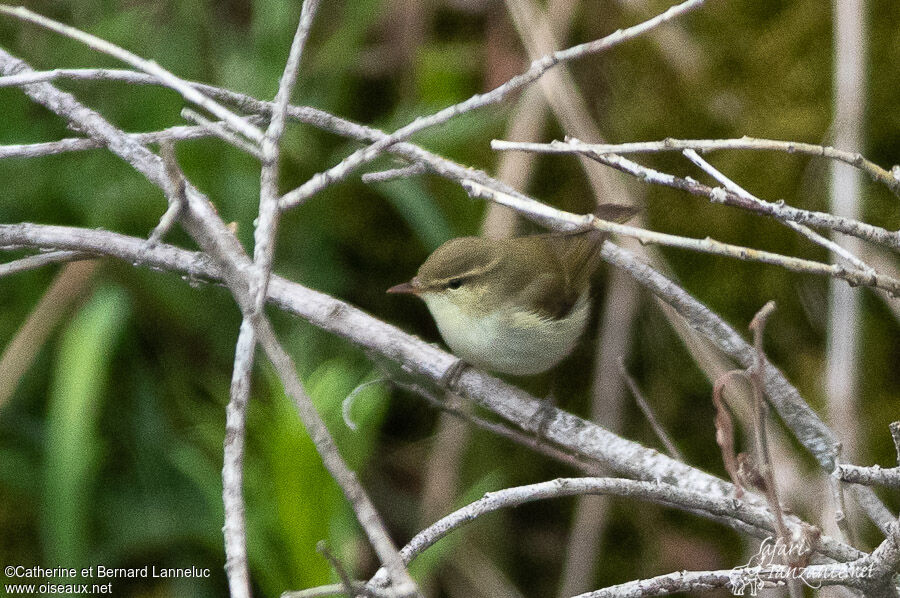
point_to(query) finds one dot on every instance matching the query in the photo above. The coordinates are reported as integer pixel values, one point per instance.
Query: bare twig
(807, 232)
(368, 517)
(221, 131)
(872, 573)
(334, 589)
(74, 144)
(258, 280)
(33, 262)
(395, 173)
(548, 214)
(125, 75)
(724, 510)
(234, 531)
(235, 528)
(777, 209)
(349, 586)
(537, 68)
(895, 434)
(870, 476)
(874, 171)
(647, 410)
(176, 199)
(498, 429)
(840, 509)
(267, 222)
(872, 506)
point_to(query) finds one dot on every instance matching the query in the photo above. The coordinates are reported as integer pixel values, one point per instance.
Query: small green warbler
(513, 306)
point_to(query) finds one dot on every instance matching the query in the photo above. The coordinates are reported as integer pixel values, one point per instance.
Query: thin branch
(873, 507)
(870, 476)
(874, 171)
(176, 199)
(74, 144)
(245, 348)
(33, 262)
(235, 528)
(339, 589)
(218, 129)
(895, 434)
(537, 68)
(236, 566)
(872, 573)
(719, 509)
(777, 209)
(148, 66)
(124, 75)
(267, 222)
(350, 587)
(546, 213)
(647, 410)
(365, 511)
(807, 232)
(395, 173)
(840, 508)
(334, 589)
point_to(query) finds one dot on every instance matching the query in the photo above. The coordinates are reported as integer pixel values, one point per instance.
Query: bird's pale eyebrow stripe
(477, 271)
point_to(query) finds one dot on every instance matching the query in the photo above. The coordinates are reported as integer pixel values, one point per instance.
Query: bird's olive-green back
(544, 273)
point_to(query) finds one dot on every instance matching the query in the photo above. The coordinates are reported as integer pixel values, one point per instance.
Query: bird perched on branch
(513, 306)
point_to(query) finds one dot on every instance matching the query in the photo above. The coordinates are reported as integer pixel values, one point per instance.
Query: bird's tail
(584, 258)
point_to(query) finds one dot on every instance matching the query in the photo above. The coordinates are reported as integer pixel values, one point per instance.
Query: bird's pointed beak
(406, 288)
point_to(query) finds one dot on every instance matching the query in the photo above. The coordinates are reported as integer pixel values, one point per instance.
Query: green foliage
(292, 500)
(73, 448)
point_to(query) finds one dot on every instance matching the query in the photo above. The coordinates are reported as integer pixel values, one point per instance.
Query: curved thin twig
(779, 209)
(890, 179)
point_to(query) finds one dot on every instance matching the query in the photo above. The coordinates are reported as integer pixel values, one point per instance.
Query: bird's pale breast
(506, 340)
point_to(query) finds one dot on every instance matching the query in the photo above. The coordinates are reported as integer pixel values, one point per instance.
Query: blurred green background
(111, 442)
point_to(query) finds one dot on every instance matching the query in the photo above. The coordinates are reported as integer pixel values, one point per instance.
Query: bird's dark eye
(455, 283)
